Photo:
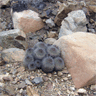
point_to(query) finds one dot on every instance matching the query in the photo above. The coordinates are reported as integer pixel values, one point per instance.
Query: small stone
(49, 40)
(31, 91)
(45, 78)
(13, 55)
(65, 78)
(21, 90)
(81, 91)
(9, 78)
(37, 80)
(49, 75)
(94, 93)
(93, 87)
(2, 84)
(52, 34)
(50, 23)
(21, 85)
(28, 82)
(60, 73)
(72, 88)
(91, 30)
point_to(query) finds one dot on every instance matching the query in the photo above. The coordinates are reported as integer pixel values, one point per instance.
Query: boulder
(27, 20)
(76, 21)
(13, 38)
(79, 53)
(13, 55)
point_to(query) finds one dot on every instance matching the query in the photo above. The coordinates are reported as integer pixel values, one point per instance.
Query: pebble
(94, 93)
(52, 34)
(81, 91)
(2, 84)
(22, 85)
(21, 90)
(60, 73)
(50, 23)
(72, 88)
(93, 87)
(37, 80)
(49, 75)
(28, 82)
(65, 78)
(91, 30)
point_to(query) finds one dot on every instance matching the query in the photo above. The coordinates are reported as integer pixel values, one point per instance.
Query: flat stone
(21, 85)
(37, 80)
(28, 82)
(27, 20)
(92, 8)
(79, 52)
(13, 38)
(13, 55)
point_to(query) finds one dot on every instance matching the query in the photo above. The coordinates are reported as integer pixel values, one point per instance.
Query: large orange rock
(27, 20)
(79, 53)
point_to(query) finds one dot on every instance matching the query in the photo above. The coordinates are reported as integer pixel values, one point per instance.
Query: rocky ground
(15, 80)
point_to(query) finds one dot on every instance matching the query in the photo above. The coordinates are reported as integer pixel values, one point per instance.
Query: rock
(91, 30)
(13, 55)
(81, 91)
(50, 23)
(76, 21)
(50, 40)
(28, 82)
(4, 2)
(93, 87)
(27, 20)
(64, 9)
(52, 34)
(21, 85)
(92, 8)
(31, 92)
(13, 38)
(2, 84)
(37, 80)
(60, 73)
(79, 52)
(5, 77)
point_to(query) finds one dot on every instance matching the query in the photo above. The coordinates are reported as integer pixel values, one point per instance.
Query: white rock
(50, 23)
(81, 91)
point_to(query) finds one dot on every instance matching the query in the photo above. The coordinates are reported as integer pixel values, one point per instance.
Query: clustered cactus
(44, 56)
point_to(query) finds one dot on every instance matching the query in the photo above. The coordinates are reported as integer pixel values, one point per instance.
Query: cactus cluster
(44, 56)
